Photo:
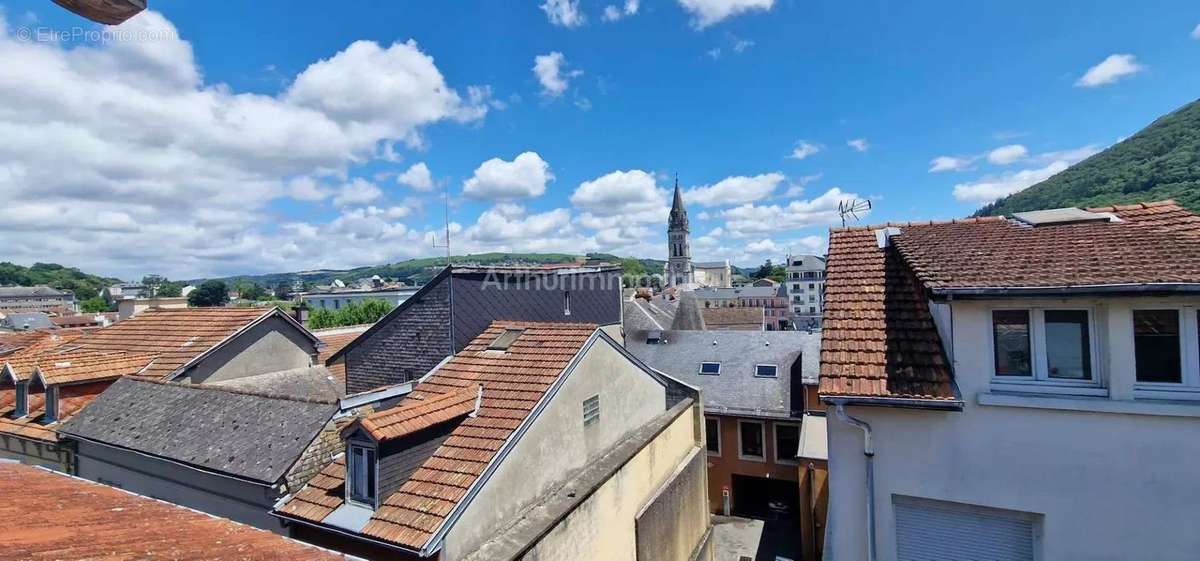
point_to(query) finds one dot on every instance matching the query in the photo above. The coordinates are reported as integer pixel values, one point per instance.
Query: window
(1156, 346)
(337, 304)
(787, 443)
(1010, 339)
(591, 410)
(750, 440)
(712, 435)
(1050, 348)
(567, 303)
(812, 309)
(812, 286)
(51, 405)
(361, 471)
(710, 368)
(766, 371)
(505, 340)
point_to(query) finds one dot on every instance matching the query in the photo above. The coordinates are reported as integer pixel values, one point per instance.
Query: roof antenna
(851, 208)
(446, 221)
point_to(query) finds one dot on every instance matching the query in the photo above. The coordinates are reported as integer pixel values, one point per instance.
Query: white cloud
(613, 13)
(1071, 155)
(714, 53)
(708, 12)
(631, 193)
(950, 163)
(1195, 34)
(356, 192)
(524, 177)
(417, 176)
(804, 149)
(796, 187)
(735, 190)
(169, 170)
(1111, 69)
(552, 74)
(754, 219)
(762, 246)
(858, 144)
(1008, 154)
(991, 188)
(741, 45)
(510, 227)
(564, 13)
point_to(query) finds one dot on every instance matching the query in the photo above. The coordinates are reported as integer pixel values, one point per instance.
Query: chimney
(300, 313)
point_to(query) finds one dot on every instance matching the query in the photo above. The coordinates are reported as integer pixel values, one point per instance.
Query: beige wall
(603, 527)
(557, 444)
(271, 346)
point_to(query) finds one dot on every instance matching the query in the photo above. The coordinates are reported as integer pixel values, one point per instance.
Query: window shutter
(928, 531)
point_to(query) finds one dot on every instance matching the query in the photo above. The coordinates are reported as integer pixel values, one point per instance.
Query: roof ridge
(1134, 206)
(916, 223)
(232, 390)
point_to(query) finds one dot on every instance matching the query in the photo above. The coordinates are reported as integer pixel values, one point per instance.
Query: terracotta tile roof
(174, 336)
(513, 382)
(1154, 243)
(418, 414)
(75, 366)
(67, 518)
(733, 318)
(878, 337)
(71, 400)
(335, 339)
(21, 340)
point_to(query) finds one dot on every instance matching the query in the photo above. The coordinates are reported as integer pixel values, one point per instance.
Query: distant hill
(417, 271)
(1162, 161)
(57, 276)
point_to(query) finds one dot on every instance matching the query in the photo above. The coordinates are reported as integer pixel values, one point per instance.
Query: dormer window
(51, 408)
(361, 481)
(21, 407)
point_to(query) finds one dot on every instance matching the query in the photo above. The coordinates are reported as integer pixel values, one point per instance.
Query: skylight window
(710, 368)
(505, 340)
(766, 371)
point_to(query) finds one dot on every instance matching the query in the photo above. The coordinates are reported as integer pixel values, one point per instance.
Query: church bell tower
(679, 255)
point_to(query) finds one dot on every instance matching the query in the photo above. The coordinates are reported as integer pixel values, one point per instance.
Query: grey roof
(713, 293)
(241, 434)
(24, 291)
(311, 382)
(710, 264)
(735, 390)
(28, 320)
(688, 316)
(757, 291)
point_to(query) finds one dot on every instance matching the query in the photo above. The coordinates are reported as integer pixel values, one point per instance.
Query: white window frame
(1189, 354)
(762, 430)
(775, 443)
(757, 375)
(1039, 380)
(716, 454)
(701, 371)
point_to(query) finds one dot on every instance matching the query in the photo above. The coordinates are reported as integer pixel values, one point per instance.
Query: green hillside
(1162, 161)
(56, 276)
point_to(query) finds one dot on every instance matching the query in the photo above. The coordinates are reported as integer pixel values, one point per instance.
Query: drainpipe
(869, 452)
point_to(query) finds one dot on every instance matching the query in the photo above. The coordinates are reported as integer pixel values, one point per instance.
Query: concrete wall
(558, 443)
(221, 496)
(722, 468)
(271, 346)
(605, 527)
(1109, 485)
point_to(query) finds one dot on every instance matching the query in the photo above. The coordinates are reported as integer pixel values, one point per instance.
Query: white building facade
(804, 278)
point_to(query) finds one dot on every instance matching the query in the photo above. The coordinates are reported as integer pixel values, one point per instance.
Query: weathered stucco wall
(271, 346)
(34, 453)
(1109, 486)
(605, 526)
(222, 496)
(558, 443)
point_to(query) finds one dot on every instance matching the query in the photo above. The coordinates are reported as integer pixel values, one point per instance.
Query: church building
(680, 271)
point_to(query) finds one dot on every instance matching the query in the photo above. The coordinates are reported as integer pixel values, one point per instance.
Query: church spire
(679, 218)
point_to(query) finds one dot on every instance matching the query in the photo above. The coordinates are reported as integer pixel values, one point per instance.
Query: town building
(49, 381)
(336, 298)
(757, 387)
(679, 244)
(25, 321)
(804, 277)
(124, 290)
(770, 299)
(1014, 387)
(537, 440)
(455, 306)
(64, 517)
(36, 299)
(130, 306)
(713, 273)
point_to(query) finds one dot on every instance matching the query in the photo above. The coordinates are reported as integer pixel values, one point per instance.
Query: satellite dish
(852, 207)
(108, 12)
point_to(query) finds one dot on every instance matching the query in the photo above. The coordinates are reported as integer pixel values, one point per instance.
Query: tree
(169, 290)
(355, 313)
(283, 291)
(209, 294)
(764, 272)
(93, 305)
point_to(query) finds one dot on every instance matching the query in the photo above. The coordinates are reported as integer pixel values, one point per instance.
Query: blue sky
(210, 139)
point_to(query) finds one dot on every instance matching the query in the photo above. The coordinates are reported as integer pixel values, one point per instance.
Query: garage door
(938, 531)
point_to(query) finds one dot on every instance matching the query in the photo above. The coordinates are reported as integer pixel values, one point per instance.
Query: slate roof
(316, 383)
(246, 435)
(28, 320)
(63, 517)
(745, 319)
(735, 390)
(26, 291)
(175, 336)
(880, 340)
(513, 382)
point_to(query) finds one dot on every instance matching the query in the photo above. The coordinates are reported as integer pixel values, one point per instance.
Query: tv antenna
(852, 207)
(446, 221)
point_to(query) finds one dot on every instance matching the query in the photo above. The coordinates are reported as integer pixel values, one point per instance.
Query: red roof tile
(418, 414)
(513, 382)
(71, 399)
(67, 518)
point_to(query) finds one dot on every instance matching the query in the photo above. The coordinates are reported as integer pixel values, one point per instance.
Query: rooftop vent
(1058, 216)
(505, 340)
(653, 337)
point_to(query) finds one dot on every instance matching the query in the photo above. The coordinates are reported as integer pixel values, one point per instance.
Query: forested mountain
(56, 276)
(1162, 161)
